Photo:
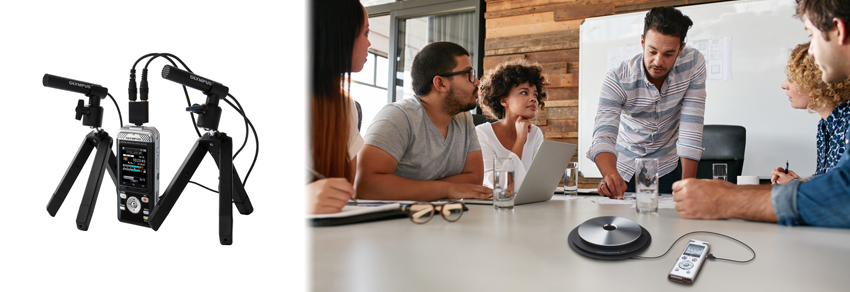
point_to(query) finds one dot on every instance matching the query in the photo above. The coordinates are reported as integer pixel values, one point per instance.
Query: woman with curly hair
(511, 93)
(806, 90)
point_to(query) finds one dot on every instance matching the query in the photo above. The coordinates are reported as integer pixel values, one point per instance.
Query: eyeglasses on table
(422, 212)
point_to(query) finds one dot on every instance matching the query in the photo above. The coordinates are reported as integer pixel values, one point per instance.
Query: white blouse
(355, 141)
(492, 148)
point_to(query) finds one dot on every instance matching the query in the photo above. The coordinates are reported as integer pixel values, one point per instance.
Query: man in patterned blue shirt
(823, 201)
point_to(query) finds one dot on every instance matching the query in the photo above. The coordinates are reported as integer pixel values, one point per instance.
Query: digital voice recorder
(138, 173)
(689, 263)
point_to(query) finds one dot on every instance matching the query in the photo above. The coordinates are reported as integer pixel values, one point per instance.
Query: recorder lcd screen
(134, 165)
(694, 250)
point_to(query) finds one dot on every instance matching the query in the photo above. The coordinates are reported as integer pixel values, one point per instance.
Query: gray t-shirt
(404, 130)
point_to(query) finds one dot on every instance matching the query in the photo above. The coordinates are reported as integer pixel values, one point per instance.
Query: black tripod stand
(220, 147)
(104, 159)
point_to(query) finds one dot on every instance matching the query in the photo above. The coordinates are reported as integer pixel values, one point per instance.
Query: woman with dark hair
(806, 90)
(512, 93)
(340, 46)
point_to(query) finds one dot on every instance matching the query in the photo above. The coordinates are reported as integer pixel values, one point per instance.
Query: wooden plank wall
(547, 31)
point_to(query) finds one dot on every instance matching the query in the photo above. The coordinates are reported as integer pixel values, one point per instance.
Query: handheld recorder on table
(689, 263)
(138, 173)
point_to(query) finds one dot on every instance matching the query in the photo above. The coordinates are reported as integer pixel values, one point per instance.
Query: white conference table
(527, 250)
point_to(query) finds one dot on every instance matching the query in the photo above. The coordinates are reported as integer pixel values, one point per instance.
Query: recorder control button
(687, 272)
(123, 196)
(144, 199)
(134, 205)
(684, 257)
(694, 259)
(686, 265)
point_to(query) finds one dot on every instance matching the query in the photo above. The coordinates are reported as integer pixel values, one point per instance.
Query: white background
(257, 49)
(763, 33)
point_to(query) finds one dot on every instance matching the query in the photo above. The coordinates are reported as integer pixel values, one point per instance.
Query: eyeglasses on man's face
(422, 212)
(470, 71)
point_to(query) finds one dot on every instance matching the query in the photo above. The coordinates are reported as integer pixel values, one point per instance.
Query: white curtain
(456, 28)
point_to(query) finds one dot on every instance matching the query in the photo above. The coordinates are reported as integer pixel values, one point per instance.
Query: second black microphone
(188, 79)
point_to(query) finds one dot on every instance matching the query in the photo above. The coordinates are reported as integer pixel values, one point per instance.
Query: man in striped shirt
(652, 106)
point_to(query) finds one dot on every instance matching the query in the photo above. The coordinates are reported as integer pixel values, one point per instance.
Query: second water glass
(504, 191)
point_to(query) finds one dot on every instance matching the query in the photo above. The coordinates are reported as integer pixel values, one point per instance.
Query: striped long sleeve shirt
(634, 119)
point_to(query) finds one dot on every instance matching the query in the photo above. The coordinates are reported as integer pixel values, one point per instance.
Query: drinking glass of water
(570, 177)
(718, 171)
(646, 185)
(504, 191)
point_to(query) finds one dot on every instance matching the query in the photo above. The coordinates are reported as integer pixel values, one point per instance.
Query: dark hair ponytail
(335, 26)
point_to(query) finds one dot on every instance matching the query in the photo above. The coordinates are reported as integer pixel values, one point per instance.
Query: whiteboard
(762, 34)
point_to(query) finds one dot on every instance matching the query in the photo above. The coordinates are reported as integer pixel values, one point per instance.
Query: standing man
(822, 201)
(652, 106)
(425, 148)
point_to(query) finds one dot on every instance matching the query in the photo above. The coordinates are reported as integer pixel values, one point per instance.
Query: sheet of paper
(356, 210)
(716, 51)
(664, 202)
(567, 198)
(618, 55)
(718, 57)
(609, 201)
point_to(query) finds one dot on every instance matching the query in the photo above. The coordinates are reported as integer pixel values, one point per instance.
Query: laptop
(543, 176)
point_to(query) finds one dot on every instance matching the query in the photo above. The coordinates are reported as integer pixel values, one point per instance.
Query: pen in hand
(786, 166)
(320, 176)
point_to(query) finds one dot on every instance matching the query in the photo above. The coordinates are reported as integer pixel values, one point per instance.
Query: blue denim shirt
(822, 201)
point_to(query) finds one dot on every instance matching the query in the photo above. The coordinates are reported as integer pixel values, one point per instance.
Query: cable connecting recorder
(138, 172)
(618, 238)
(688, 265)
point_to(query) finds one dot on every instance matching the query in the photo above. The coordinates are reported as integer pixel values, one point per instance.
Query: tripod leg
(240, 196)
(70, 176)
(225, 190)
(178, 183)
(112, 168)
(101, 158)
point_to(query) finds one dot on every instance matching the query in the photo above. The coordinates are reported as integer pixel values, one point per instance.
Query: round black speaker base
(609, 253)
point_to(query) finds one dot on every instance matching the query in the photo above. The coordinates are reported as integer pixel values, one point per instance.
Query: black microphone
(208, 113)
(192, 80)
(88, 89)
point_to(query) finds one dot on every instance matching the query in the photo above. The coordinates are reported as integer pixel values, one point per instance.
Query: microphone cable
(256, 141)
(238, 107)
(144, 85)
(709, 256)
(117, 108)
(253, 130)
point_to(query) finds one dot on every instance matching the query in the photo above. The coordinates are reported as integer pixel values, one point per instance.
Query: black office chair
(723, 144)
(480, 119)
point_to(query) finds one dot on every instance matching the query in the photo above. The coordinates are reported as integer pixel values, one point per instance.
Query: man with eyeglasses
(426, 148)
(652, 106)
